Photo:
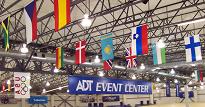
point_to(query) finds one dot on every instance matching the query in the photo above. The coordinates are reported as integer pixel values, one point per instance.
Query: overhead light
(68, 90)
(55, 70)
(86, 22)
(119, 67)
(97, 59)
(101, 73)
(134, 77)
(157, 91)
(193, 65)
(172, 71)
(175, 81)
(142, 66)
(193, 74)
(175, 66)
(30, 87)
(195, 87)
(191, 22)
(202, 83)
(158, 80)
(60, 88)
(182, 88)
(47, 84)
(44, 90)
(24, 49)
(160, 44)
(8, 82)
(164, 85)
(190, 82)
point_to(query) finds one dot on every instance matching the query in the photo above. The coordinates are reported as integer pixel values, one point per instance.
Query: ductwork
(50, 58)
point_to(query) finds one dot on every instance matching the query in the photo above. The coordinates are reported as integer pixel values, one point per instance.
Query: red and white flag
(31, 21)
(107, 65)
(80, 52)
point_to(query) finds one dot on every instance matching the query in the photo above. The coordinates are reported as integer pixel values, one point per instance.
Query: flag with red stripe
(61, 13)
(31, 21)
(130, 58)
(80, 54)
(107, 65)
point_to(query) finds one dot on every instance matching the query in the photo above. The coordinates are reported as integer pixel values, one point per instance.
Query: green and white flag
(159, 56)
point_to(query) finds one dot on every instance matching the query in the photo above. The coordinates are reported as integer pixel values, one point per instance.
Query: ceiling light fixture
(160, 44)
(86, 22)
(193, 74)
(24, 49)
(101, 73)
(55, 70)
(44, 90)
(8, 82)
(158, 80)
(134, 77)
(172, 71)
(142, 66)
(176, 81)
(47, 84)
(191, 22)
(97, 59)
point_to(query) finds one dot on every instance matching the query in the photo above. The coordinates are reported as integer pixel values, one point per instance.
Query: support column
(151, 98)
(52, 101)
(186, 94)
(124, 99)
(23, 102)
(196, 95)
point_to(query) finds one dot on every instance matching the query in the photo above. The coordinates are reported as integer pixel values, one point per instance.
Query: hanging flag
(107, 47)
(21, 85)
(159, 56)
(59, 57)
(3, 87)
(193, 48)
(80, 54)
(107, 65)
(177, 89)
(61, 13)
(140, 40)
(31, 22)
(130, 58)
(9, 85)
(5, 25)
(168, 91)
(200, 73)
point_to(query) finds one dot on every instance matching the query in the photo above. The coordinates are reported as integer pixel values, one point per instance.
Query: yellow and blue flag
(107, 47)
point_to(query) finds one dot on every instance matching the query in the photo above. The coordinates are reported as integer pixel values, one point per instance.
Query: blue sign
(191, 94)
(38, 100)
(110, 98)
(99, 85)
(168, 91)
(177, 90)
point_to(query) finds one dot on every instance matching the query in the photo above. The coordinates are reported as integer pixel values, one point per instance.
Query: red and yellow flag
(61, 13)
(59, 57)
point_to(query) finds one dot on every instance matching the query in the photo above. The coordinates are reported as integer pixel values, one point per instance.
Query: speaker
(145, 1)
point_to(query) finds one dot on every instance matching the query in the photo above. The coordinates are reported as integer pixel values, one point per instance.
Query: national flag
(9, 85)
(159, 56)
(3, 87)
(198, 75)
(130, 58)
(107, 65)
(107, 47)
(31, 21)
(61, 13)
(5, 25)
(193, 48)
(59, 57)
(140, 40)
(80, 54)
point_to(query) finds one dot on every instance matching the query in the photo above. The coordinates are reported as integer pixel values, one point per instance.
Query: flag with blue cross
(193, 48)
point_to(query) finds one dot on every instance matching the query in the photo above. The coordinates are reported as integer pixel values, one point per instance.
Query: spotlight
(158, 80)
(97, 59)
(164, 85)
(101, 73)
(44, 90)
(86, 22)
(24, 49)
(47, 84)
(55, 70)
(134, 77)
(175, 81)
(190, 82)
(142, 66)
(193, 74)
(201, 83)
(172, 71)
(60, 88)
(30, 87)
(68, 90)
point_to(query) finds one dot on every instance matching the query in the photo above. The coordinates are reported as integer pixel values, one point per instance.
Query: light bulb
(55, 70)
(30, 87)
(164, 85)
(142, 66)
(68, 90)
(47, 84)
(160, 44)
(190, 82)
(86, 22)
(195, 87)
(97, 59)
(60, 88)
(157, 91)
(24, 49)
(202, 83)
(134, 77)
(44, 90)
(101, 73)
(158, 80)
(8, 82)
(172, 71)
(193, 74)
(175, 81)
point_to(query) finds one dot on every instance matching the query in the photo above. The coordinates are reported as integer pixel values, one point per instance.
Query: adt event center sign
(98, 85)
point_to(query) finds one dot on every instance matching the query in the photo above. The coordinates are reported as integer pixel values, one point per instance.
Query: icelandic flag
(107, 47)
(159, 56)
(193, 48)
(31, 21)
(140, 40)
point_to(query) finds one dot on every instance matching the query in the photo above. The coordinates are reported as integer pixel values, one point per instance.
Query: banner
(110, 98)
(100, 85)
(177, 90)
(168, 92)
(107, 47)
(21, 85)
(38, 100)
(87, 99)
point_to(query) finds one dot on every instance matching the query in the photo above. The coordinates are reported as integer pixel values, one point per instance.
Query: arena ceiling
(115, 16)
